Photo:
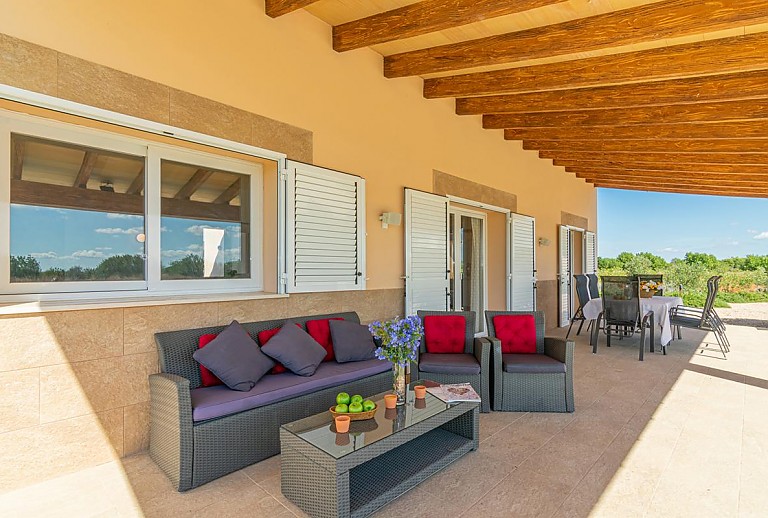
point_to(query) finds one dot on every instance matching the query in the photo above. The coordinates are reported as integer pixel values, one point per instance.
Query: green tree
(190, 266)
(705, 260)
(121, 267)
(24, 267)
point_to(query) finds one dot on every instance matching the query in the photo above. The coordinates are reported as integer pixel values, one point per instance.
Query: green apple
(357, 398)
(368, 405)
(341, 409)
(342, 398)
(355, 408)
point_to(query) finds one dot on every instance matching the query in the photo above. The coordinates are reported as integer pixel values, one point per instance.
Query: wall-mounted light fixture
(543, 241)
(390, 218)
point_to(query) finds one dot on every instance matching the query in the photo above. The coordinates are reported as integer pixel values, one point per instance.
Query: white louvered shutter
(426, 252)
(325, 229)
(565, 276)
(590, 254)
(522, 268)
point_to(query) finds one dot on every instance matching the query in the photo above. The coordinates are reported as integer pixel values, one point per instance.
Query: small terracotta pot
(421, 391)
(390, 401)
(342, 423)
(420, 404)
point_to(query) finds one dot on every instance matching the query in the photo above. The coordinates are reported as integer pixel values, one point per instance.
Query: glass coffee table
(328, 474)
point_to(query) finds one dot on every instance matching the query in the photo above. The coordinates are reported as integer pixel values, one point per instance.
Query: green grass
(697, 299)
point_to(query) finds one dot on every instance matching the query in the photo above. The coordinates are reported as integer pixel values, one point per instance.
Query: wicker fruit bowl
(359, 416)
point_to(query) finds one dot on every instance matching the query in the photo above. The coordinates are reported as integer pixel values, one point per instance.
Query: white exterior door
(590, 252)
(522, 263)
(426, 252)
(565, 276)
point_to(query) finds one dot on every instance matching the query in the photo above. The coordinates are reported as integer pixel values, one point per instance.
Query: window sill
(24, 305)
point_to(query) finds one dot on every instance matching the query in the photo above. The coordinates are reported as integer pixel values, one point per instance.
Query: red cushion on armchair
(516, 332)
(445, 333)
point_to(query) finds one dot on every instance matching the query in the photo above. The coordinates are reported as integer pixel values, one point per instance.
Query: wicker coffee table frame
(365, 480)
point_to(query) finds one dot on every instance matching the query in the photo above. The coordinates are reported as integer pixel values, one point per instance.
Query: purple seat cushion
(531, 364)
(212, 402)
(449, 363)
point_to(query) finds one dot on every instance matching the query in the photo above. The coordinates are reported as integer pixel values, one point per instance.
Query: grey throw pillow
(235, 358)
(352, 342)
(295, 349)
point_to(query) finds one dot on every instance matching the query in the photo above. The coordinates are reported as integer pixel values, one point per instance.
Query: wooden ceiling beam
(18, 159)
(711, 131)
(229, 194)
(137, 185)
(747, 170)
(648, 146)
(683, 189)
(732, 181)
(194, 183)
(423, 18)
(86, 168)
(674, 114)
(275, 8)
(665, 19)
(660, 158)
(702, 58)
(726, 87)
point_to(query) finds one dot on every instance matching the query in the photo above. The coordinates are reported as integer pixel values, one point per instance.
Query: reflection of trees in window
(190, 267)
(115, 268)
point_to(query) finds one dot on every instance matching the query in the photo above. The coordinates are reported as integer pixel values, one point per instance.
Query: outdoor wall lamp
(390, 218)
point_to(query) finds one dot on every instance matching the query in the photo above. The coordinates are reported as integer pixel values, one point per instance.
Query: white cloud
(103, 248)
(196, 229)
(175, 254)
(761, 235)
(113, 215)
(751, 231)
(45, 255)
(91, 254)
(128, 231)
(670, 249)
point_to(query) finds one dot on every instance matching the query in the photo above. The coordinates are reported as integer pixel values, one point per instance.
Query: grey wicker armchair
(458, 368)
(541, 382)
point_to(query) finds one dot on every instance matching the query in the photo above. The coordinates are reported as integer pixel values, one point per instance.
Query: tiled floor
(679, 435)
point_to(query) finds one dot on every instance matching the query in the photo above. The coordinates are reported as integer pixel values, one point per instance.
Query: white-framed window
(84, 210)
(325, 229)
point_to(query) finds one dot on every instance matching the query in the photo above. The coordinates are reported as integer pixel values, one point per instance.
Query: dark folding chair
(659, 278)
(705, 318)
(594, 293)
(582, 292)
(621, 312)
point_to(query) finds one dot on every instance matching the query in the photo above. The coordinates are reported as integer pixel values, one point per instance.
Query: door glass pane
(473, 267)
(77, 213)
(205, 223)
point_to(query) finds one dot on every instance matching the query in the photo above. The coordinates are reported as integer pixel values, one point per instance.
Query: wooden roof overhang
(659, 95)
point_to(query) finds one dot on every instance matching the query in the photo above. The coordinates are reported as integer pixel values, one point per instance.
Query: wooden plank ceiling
(652, 95)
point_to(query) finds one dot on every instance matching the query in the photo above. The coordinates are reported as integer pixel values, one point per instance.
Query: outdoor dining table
(661, 307)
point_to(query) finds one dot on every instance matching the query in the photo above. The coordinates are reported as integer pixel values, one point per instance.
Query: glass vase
(398, 382)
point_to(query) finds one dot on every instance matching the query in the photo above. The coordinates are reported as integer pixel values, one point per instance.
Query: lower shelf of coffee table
(382, 479)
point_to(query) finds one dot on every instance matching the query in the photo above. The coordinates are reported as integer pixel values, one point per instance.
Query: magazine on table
(454, 393)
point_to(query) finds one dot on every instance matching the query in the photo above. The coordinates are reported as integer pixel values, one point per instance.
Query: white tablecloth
(660, 306)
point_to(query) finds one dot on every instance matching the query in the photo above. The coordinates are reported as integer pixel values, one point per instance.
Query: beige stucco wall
(73, 384)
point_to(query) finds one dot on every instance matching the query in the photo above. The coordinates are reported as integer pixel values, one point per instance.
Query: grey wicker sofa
(193, 445)
(471, 367)
(541, 382)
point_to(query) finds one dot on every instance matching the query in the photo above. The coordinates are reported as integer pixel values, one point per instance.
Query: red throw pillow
(264, 337)
(445, 333)
(320, 330)
(516, 332)
(208, 378)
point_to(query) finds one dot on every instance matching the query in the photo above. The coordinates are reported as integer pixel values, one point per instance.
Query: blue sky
(64, 238)
(670, 225)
